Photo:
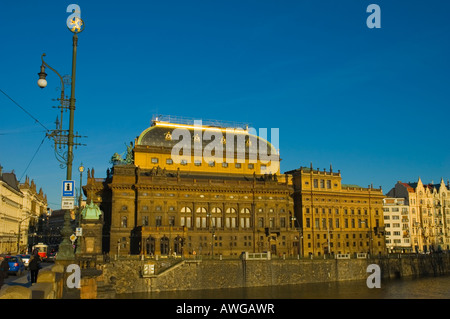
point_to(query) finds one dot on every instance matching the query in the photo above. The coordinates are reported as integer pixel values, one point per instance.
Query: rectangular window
(169, 161)
(144, 220)
(158, 220)
(154, 160)
(328, 184)
(203, 222)
(271, 222)
(322, 183)
(171, 220)
(197, 163)
(224, 164)
(237, 165)
(260, 222)
(282, 222)
(316, 183)
(251, 166)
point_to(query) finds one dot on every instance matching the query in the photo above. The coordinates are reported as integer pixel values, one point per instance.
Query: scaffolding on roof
(193, 121)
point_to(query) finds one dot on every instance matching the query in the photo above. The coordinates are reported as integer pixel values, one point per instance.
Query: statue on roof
(129, 158)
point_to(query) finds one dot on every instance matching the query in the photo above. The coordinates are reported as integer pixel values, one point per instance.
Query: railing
(342, 256)
(256, 256)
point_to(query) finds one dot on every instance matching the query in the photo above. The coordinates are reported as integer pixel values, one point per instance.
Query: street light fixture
(81, 170)
(63, 137)
(60, 136)
(42, 82)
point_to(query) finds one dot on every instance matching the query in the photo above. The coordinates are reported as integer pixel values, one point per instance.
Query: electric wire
(23, 109)
(34, 155)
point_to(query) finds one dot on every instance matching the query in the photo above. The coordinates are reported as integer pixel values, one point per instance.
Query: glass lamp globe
(42, 83)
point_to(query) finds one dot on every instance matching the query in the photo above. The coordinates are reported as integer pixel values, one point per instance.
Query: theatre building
(226, 201)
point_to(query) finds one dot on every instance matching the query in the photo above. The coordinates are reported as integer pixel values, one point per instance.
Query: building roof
(163, 135)
(11, 180)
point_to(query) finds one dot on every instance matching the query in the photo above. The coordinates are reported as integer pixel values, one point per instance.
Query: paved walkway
(23, 280)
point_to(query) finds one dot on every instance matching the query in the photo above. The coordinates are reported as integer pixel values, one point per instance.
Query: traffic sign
(68, 203)
(79, 231)
(68, 189)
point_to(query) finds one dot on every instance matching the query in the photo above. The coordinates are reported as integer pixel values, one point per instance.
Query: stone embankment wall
(126, 276)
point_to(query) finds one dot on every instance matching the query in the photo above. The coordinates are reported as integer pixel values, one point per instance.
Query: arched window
(216, 218)
(164, 245)
(178, 245)
(230, 221)
(245, 218)
(231, 210)
(201, 210)
(186, 210)
(186, 220)
(150, 245)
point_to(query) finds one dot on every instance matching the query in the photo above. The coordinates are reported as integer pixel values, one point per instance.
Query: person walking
(4, 268)
(34, 266)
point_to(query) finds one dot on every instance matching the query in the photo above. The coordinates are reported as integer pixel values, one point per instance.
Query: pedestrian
(4, 268)
(34, 266)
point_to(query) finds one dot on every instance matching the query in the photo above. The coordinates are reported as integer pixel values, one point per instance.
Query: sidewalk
(23, 280)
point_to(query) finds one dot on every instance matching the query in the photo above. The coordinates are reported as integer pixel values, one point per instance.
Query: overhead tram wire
(29, 114)
(34, 155)
(36, 121)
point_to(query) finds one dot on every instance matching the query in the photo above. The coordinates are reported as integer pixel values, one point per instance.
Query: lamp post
(18, 234)
(80, 199)
(63, 137)
(75, 25)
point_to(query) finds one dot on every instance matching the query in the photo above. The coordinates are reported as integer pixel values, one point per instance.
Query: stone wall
(126, 276)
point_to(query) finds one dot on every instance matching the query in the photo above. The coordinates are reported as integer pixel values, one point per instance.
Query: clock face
(76, 25)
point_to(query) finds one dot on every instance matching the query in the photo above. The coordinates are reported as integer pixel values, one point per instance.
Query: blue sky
(371, 102)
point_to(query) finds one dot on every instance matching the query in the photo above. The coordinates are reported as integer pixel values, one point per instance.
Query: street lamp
(81, 170)
(42, 82)
(59, 135)
(18, 234)
(62, 137)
